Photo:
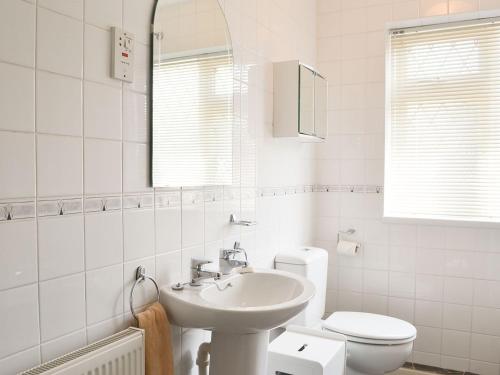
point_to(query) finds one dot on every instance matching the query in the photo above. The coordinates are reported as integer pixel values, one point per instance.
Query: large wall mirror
(192, 95)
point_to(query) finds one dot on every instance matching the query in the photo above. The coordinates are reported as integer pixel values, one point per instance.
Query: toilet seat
(370, 328)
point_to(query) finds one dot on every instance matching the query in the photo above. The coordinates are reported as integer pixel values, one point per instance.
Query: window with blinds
(193, 121)
(443, 122)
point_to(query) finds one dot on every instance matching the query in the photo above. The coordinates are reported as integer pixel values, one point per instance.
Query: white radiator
(120, 354)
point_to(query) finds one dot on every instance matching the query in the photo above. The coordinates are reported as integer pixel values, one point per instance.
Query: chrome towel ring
(140, 275)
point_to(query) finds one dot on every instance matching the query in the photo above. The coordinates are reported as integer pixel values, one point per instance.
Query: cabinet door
(320, 107)
(306, 101)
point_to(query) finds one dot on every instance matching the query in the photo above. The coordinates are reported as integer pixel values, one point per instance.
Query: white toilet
(376, 344)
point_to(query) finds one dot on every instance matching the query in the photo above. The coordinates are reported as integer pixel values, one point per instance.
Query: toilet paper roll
(348, 248)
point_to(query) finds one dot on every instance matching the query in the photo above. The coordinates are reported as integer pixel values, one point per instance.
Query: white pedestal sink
(240, 316)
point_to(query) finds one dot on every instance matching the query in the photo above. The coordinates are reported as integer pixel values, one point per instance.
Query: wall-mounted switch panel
(123, 50)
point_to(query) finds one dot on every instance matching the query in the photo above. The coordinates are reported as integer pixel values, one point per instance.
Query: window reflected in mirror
(192, 95)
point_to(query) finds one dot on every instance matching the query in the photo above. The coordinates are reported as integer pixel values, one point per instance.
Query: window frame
(430, 22)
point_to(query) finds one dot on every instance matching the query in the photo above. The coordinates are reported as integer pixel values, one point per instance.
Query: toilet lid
(369, 326)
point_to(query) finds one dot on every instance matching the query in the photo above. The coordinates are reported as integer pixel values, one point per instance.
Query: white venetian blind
(443, 133)
(193, 121)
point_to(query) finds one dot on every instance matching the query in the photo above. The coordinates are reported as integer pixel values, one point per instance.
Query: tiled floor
(405, 371)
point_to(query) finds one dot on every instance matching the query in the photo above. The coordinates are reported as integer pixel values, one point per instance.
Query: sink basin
(240, 310)
(240, 303)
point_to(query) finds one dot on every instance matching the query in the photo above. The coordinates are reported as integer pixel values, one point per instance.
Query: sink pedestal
(242, 354)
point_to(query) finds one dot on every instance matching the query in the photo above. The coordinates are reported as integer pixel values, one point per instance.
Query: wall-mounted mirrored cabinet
(300, 102)
(192, 109)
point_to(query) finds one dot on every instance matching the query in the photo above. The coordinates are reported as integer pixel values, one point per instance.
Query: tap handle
(197, 264)
(236, 245)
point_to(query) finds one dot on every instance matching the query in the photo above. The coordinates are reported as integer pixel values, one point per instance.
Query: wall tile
(17, 98)
(136, 166)
(62, 345)
(20, 361)
(456, 343)
(168, 229)
(431, 237)
(59, 104)
(428, 313)
(485, 348)
(405, 10)
(59, 166)
(428, 340)
(461, 263)
(138, 230)
(486, 320)
(102, 111)
(486, 368)
(135, 117)
(141, 72)
(429, 287)
(72, 8)
(429, 359)
(18, 253)
(487, 293)
(351, 279)
(431, 261)
(429, 8)
(192, 223)
(375, 304)
(402, 308)
(103, 167)
(401, 284)
(215, 221)
(376, 282)
(104, 329)
(457, 317)
(137, 18)
(18, 178)
(103, 14)
(19, 309)
(489, 4)
(60, 246)
(59, 43)
(454, 363)
(402, 258)
(376, 257)
(104, 293)
(462, 6)
(62, 306)
(103, 239)
(97, 56)
(17, 20)
(458, 290)
(168, 268)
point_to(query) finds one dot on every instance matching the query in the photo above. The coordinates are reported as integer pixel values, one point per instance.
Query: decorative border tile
(102, 204)
(192, 197)
(348, 189)
(231, 194)
(168, 199)
(58, 207)
(138, 201)
(214, 195)
(17, 210)
(162, 198)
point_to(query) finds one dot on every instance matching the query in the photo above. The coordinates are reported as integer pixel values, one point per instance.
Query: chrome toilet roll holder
(349, 232)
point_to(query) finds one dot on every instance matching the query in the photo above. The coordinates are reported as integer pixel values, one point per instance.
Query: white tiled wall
(444, 279)
(77, 215)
